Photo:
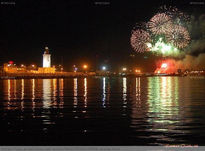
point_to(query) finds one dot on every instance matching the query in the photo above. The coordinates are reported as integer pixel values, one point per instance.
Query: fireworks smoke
(188, 63)
(172, 33)
(164, 34)
(197, 32)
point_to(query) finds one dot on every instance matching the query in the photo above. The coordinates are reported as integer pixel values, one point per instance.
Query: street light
(75, 68)
(104, 68)
(124, 69)
(85, 66)
(138, 71)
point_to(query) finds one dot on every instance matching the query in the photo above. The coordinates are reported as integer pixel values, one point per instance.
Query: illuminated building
(46, 63)
(23, 69)
(46, 58)
(11, 68)
(46, 70)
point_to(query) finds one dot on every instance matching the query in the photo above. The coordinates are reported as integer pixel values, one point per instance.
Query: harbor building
(46, 58)
(11, 67)
(46, 63)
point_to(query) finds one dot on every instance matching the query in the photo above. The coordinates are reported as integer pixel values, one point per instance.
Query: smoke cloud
(191, 62)
(188, 63)
(196, 29)
(193, 58)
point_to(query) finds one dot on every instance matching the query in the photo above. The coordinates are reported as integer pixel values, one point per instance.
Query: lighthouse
(46, 58)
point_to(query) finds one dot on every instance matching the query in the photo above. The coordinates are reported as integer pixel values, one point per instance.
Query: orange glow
(138, 71)
(85, 66)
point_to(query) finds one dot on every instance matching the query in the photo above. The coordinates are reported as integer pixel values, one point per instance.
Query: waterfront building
(10, 67)
(46, 58)
(46, 63)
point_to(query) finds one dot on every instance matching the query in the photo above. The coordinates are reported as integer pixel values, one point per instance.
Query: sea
(103, 111)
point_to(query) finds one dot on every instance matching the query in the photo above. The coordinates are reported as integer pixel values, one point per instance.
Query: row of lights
(104, 68)
(85, 67)
(137, 70)
(22, 65)
(33, 65)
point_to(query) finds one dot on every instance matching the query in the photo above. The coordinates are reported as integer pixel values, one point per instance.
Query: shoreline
(83, 76)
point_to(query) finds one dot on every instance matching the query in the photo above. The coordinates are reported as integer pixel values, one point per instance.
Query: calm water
(103, 111)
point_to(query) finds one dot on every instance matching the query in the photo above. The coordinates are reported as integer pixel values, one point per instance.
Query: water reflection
(55, 92)
(124, 91)
(104, 92)
(15, 93)
(155, 109)
(138, 105)
(22, 94)
(33, 89)
(9, 94)
(22, 89)
(46, 93)
(9, 89)
(85, 92)
(61, 94)
(108, 92)
(33, 93)
(138, 91)
(163, 103)
(75, 92)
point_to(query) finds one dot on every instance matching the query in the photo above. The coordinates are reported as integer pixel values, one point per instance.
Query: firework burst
(177, 16)
(139, 40)
(165, 34)
(160, 24)
(178, 36)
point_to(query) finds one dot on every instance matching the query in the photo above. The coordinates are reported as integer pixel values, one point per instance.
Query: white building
(46, 58)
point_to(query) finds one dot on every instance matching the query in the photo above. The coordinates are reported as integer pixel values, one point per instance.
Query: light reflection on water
(104, 92)
(156, 110)
(162, 97)
(85, 93)
(47, 93)
(75, 92)
(138, 91)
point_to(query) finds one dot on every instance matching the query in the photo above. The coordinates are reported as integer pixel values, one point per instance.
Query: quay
(75, 74)
(44, 75)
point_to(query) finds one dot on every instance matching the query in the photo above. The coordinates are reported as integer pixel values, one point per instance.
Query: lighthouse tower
(46, 58)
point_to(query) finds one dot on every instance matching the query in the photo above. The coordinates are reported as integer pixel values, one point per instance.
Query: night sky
(76, 31)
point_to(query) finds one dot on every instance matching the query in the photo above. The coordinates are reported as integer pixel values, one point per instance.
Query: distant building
(46, 70)
(46, 58)
(46, 63)
(10, 67)
(13, 68)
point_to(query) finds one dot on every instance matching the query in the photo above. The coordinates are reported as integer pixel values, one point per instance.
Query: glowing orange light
(85, 66)
(137, 71)
(164, 65)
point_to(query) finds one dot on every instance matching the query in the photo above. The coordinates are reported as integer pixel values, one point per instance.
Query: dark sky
(76, 31)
